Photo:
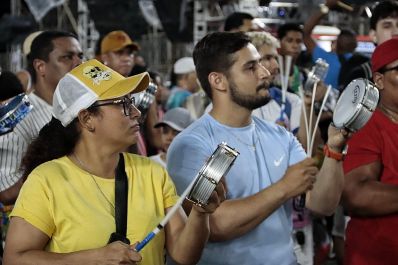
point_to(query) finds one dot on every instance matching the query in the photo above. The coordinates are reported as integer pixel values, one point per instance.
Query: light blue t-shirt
(332, 78)
(254, 170)
(177, 97)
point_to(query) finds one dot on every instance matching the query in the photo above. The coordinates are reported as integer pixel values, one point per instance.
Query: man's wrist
(335, 149)
(334, 153)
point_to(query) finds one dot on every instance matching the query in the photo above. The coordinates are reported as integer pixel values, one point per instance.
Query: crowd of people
(94, 168)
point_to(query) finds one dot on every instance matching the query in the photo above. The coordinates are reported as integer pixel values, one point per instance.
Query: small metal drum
(13, 111)
(356, 105)
(145, 98)
(210, 174)
(318, 73)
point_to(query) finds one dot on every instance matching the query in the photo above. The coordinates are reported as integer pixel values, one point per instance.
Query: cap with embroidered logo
(89, 82)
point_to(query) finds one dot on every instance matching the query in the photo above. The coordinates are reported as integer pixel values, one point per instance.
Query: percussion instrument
(210, 174)
(201, 187)
(13, 111)
(317, 73)
(145, 98)
(356, 105)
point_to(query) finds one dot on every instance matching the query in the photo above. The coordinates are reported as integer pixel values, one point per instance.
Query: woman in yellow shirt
(65, 212)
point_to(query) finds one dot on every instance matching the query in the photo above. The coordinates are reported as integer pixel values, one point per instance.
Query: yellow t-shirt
(64, 202)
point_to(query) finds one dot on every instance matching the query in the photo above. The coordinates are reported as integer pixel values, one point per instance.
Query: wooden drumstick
(345, 6)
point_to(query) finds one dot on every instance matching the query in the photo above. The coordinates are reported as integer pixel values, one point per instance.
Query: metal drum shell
(12, 112)
(209, 175)
(364, 108)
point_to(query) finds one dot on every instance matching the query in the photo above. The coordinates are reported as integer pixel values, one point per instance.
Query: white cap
(184, 65)
(28, 42)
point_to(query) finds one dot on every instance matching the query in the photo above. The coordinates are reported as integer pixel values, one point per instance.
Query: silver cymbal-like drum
(144, 99)
(13, 111)
(317, 73)
(356, 105)
(210, 174)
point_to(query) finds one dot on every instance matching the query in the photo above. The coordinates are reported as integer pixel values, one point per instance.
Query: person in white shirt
(52, 55)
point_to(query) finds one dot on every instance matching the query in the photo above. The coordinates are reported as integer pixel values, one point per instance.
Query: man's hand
(319, 94)
(299, 177)
(216, 198)
(337, 138)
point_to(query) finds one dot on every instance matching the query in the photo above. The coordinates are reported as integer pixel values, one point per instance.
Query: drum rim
(358, 106)
(22, 103)
(222, 149)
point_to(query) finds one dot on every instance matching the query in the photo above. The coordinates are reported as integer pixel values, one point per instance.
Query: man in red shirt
(371, 171)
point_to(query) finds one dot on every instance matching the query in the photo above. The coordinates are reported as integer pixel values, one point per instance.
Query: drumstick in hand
(345, 6)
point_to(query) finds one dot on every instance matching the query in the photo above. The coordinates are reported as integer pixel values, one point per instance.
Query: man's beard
(250, 102)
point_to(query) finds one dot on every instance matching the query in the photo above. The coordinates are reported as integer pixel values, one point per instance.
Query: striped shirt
(14, 144)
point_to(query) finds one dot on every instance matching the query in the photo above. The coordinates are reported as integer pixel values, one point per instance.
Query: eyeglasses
(384, 70)
(128, 104)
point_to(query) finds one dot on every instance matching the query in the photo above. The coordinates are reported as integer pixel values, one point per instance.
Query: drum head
(349, 103)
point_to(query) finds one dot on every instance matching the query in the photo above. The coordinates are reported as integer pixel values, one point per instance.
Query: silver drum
(356, 105)
(13, 111)
(210, 174)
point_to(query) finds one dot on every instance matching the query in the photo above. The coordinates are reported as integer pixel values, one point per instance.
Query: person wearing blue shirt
(184, 82)
(345, 45)
(253, 226)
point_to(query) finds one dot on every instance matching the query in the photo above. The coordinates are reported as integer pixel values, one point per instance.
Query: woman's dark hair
(154, 74)
(54, 141)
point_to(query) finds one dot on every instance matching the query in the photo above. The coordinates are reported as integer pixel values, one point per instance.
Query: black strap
(121, 198)
(121, 189)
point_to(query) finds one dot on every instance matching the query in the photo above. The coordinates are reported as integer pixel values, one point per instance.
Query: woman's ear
(86, 120)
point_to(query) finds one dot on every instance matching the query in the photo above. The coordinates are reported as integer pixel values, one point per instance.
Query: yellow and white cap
(89, 82)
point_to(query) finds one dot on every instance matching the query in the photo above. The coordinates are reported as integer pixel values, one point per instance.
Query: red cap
(384, 54)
